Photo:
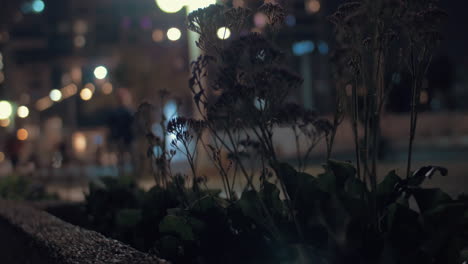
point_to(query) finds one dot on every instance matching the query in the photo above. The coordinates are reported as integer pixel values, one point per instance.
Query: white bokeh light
(171, 6)
(86, 94)
(100, 72)
(196, 4)
(55, 95)
(23, 111)
(223, 33)
(5, 109)
(174, 34)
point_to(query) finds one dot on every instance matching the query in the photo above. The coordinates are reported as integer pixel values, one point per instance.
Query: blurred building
(65, 60)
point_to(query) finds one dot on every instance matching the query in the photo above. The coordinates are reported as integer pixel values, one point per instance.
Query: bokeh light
(223, 33)
(22, 134)
(158, 35)
(38, 6)
(174, 34)
(5, 109)
(260, 20)
(2, 156)
(55, 95)
(323, 47)
(69, 90)
(79, 41)
(86, 94)
(43, 103)
(80, 27)
(170, 6)
(100, 72)
(79, 142)
(196, 4)
(4, 122)
(107, 88)
(313, 6)
(23, 111)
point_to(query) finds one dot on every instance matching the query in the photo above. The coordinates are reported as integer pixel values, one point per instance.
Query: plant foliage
(241, 89)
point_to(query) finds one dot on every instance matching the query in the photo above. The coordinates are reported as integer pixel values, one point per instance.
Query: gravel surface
(65, 243)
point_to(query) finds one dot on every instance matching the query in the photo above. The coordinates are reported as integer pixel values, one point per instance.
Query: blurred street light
(312, 6)
(223, 33)
(174, 34)
(5, 109)
(170, 6)
(107, 88)
(100, 72)
(23, 111)
(158, 35)
(55, 95)
(79, 142)
(38, 6)
(22, 134)
(196, 4)
(86, 94)
(4, 122)
(174, 6)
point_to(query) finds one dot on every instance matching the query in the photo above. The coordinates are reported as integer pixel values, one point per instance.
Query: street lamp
(23, 111)
(55, 95)
(174, 34)
(5, 109)
(100, 72)
(170, 6)
(174, 6)
(223, 33)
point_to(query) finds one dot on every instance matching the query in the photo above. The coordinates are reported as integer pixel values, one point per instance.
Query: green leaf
(250, 206)
(205, 204)
(387, 186)
(356, 188)
(297, 183)
(428, 199)
(271, 196)
(387, 190)
(425, 172)
(342, 170)
(401, 217)
(128, 217)
(177, 225)
(170, 246)
(327, 181)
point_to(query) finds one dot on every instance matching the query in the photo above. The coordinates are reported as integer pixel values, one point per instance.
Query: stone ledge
(28, 235)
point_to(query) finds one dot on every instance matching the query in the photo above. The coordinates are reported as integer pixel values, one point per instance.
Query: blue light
(303, 47)
(323, 47)
(290, 20)
(38, 6)
(170, 110)
(157, 151)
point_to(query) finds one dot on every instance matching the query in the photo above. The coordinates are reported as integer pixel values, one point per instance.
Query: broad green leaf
(170, 246)
(356, 188)
(424, 173)
(128, 217)
(271, 196)
(428, 199)
(342, 170)
(177, 225)
(250, 206)
(387, 186)
(387, 189)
